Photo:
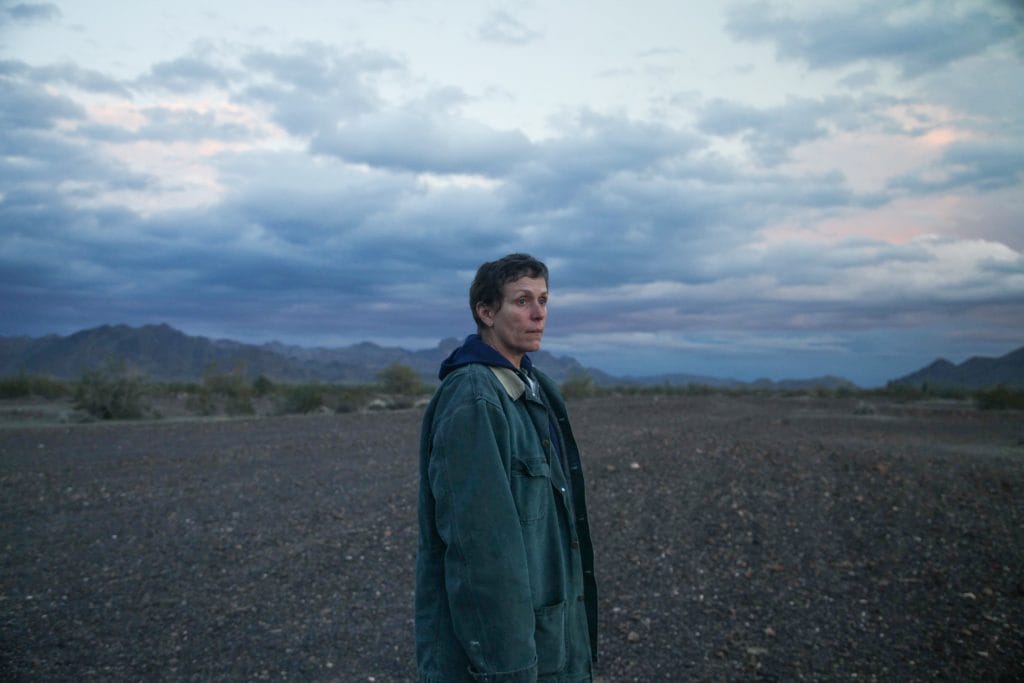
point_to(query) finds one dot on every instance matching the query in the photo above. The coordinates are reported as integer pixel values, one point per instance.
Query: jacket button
(546, 443)
(579, 598)
(574, 545)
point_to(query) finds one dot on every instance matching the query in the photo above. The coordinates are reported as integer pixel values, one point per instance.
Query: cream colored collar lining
(514, 386)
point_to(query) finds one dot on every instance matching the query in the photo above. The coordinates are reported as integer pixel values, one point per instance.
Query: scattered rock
(838, 548)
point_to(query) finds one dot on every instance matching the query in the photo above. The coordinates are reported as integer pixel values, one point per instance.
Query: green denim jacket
(505, 587)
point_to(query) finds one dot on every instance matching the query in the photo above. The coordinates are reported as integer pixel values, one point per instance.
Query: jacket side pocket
(549, 638)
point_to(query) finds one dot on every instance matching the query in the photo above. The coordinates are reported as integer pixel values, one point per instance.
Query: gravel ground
(737, 539)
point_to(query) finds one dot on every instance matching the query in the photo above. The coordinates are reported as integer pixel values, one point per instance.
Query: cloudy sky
(742, 189)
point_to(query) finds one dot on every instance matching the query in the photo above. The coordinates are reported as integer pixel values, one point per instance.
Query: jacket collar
(510, 380)
(516, 383)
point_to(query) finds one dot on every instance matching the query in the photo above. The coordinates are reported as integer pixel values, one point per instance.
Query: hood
(476, 350)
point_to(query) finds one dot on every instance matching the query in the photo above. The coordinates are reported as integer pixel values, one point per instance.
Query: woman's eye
(522, 301)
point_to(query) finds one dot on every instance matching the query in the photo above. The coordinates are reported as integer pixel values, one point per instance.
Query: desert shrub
(111, 392)
(865, 408)
(947, 391)
(301, 398)
(239, 405)
(175, 388)
(579, 384)
(201, 402)
(230, 389)
(24, 386)
(232, 384)
(400, 379)
(349, 398)
(904, 392)
(15, 387)
(923, 391)
(1000, 398)
(262, 386)
(48, 387)
(844, 391)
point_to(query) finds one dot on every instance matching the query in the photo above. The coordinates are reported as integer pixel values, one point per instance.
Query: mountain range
(977, 372)
(164, 353)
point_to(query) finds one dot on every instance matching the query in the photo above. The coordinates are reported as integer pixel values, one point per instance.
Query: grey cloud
(51, 251)
(107, 133)
(33, 201)
(982, 166)
(169, 125)
(501, 27)
(423, 142)
(292, 236)
(166, 125)
(51, 160)
(771, 133)
(13, 67)
(601, 144)
(88, 80)
(186, 74)
(301, 114)
(611, 189)
(183, 263)
(860, 79)
(311, 89)
(647, 198)
(41, 173)
(794, 263)
(308, 242)
(362, 221)
(28, 118)
(1005, 268)
(673, 220)
(320, 67)
(29, 11)
(24, 106)
(565, 169)
(918, 35)
(968, 87)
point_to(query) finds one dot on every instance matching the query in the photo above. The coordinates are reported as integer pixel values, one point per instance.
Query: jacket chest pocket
(531, 489)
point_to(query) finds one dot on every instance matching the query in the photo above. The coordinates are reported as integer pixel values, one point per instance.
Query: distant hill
(681, 380)
(159, 351)
(163, 353)
(974, 373)
(830, 382)
(675, 379)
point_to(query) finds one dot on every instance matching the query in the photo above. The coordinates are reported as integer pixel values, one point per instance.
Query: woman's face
(517, 327)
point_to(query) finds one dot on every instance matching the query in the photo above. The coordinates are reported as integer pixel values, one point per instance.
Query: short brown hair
(491, 278)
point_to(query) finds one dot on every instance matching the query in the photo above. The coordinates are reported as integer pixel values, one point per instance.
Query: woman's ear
(485, 313)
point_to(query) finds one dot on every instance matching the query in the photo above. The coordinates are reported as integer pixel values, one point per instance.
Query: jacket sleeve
(486, 574)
